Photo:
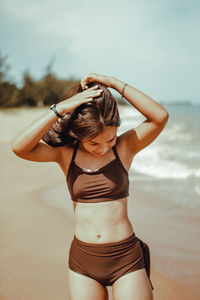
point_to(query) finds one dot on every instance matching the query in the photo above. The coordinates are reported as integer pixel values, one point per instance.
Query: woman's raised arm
(28, 146)
(156, 115)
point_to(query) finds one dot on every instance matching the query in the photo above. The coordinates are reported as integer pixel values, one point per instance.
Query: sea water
(171, 163)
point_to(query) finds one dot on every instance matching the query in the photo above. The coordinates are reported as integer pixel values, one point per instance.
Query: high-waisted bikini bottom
(109, 261)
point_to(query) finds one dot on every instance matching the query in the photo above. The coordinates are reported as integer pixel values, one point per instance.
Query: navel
(98, 236)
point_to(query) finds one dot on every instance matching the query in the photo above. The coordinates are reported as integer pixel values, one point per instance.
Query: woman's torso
(101, 222)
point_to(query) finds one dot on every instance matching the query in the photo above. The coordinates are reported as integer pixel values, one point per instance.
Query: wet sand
(35, 236)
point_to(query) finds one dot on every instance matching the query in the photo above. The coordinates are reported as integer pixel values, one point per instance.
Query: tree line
(47, 90)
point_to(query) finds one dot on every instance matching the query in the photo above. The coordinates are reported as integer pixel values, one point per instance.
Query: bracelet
(53, 108)
(123, 89)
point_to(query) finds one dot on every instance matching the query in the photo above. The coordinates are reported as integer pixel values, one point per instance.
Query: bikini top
(108, 183)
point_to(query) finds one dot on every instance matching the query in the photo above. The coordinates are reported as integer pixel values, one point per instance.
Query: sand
(35, 236)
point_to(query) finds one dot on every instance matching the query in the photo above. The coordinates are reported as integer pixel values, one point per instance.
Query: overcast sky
(153, 45)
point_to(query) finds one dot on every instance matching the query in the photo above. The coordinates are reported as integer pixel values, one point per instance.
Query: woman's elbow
(16, 149)
(164, 116)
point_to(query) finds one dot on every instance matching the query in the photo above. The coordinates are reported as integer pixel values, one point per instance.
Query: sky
(153, 45)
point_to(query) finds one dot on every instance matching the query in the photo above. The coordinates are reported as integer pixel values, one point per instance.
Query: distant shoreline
(162, 102)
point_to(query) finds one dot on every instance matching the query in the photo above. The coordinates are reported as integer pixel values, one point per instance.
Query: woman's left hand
(106, 80)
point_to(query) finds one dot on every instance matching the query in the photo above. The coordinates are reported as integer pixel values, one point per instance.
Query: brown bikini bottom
(109, 261)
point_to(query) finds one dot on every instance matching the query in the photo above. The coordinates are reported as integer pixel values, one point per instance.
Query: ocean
(171, 163)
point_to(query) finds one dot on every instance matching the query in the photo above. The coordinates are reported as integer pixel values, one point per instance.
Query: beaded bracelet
(123, 89)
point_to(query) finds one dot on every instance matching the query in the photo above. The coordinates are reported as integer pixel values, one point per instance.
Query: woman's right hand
(70, 104)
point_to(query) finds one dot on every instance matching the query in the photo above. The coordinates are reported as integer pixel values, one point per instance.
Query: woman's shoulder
(66, 152)
(122, 146)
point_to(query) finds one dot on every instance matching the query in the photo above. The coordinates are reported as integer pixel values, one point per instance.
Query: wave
(177, 133)
(150, 162)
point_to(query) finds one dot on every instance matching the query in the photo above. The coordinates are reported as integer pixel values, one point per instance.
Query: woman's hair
(85, 121)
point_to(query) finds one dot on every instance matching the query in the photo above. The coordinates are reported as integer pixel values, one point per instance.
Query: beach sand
(35, 236)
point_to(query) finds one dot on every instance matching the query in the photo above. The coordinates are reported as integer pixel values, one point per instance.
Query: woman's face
(102, 143)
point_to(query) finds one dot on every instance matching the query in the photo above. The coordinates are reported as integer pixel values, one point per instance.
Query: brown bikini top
(108, 183)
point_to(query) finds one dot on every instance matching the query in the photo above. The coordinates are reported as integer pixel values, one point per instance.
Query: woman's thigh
(84, 288)
(134, 285)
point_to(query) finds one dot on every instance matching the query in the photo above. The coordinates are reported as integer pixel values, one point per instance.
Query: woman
(80, 134)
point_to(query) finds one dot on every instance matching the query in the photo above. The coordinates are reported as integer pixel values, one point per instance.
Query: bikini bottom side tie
(109, 261)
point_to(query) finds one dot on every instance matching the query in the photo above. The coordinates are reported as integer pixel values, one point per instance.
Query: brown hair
(86, 121)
